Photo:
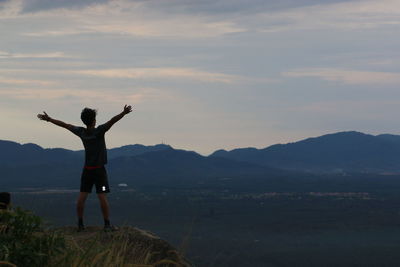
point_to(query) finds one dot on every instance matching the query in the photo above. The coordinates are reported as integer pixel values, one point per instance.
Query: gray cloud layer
(185, 6)
(39, 5)
(233, 6)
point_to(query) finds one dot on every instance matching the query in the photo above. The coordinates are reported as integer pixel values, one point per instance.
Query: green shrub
(24, 242)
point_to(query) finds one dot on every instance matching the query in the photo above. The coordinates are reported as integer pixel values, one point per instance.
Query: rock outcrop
(129, 245)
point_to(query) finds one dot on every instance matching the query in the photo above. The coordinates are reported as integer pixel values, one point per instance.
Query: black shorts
(97, 177)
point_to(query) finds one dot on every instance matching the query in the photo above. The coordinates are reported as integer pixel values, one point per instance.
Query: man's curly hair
(88, 116)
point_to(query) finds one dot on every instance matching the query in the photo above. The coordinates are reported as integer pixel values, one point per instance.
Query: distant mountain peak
(136, 149)
(346, 150)
(32, 146)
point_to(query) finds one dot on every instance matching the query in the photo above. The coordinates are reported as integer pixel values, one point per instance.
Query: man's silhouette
(94, 172)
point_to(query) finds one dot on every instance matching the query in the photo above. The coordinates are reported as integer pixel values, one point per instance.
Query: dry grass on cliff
(127, 247)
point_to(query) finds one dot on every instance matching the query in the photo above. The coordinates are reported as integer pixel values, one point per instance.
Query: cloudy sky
(201, 74)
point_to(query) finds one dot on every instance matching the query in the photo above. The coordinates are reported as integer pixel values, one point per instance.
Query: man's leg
(80, 206)
(105, 208)
(102, 188)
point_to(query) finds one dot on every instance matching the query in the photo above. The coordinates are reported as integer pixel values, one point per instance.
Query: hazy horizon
(191, 149)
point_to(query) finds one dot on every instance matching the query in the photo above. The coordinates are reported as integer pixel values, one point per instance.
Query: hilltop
(25, 241)
(129, 245)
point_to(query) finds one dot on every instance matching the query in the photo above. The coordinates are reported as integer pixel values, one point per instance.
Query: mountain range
(339, 152)
(26, 165)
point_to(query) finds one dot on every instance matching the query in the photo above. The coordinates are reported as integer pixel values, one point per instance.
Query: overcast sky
(200, 74)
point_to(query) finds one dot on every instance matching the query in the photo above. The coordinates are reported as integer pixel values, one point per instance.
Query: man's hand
(110, 123)
(127, 109)
(44, 116)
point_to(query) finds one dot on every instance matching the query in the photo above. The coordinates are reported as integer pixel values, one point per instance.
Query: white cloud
(170, 28)
(183, 27)
(147, 19)
(4, 54)
(53, 94)
(5, 80)
(60, 32)
(161, 73)
(347, 76)
(125, 18)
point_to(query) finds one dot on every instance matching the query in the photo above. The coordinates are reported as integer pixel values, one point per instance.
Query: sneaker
(81, 228)
(110, 228)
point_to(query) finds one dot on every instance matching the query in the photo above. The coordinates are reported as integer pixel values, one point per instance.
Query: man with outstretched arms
(94, 172)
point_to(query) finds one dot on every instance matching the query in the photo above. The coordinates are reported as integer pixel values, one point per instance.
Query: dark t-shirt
(94, 143)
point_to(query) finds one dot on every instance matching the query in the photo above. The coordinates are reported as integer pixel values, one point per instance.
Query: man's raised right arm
(110, 123)
(45, 117)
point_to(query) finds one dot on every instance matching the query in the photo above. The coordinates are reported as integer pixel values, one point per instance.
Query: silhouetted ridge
(344, 151)
(133, 150)
(31, 165)
(390, 137)
(179, 167)
(15, 154)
